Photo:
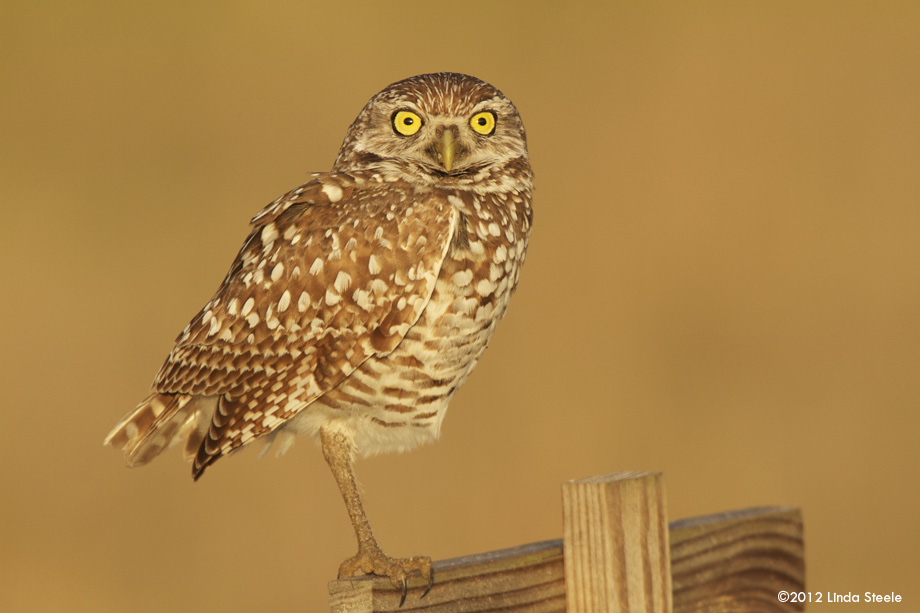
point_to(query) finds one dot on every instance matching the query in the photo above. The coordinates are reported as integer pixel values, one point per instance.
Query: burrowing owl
(361, 300)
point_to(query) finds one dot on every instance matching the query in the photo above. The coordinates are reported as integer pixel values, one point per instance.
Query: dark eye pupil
(481, 121)
(408, 121)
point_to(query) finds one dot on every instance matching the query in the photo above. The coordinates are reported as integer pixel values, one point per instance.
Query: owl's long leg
(338, 450)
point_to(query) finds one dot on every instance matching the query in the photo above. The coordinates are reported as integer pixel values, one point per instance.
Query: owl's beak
(447, 146)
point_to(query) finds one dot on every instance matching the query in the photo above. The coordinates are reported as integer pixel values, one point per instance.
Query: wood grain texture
(525, 578)
(726, 562)
(617, 558)
(738, 561)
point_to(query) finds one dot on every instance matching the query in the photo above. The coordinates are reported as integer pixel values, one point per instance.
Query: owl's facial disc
(434, 128)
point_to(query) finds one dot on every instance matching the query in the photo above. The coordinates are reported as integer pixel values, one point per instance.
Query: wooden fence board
(727, 562)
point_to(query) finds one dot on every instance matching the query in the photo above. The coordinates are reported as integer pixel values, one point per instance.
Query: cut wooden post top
(615, 531)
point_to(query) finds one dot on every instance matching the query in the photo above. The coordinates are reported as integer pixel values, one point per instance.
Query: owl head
(442, 127)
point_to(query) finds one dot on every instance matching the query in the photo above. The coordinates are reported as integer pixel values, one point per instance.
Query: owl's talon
(372, 561)
(430, 582)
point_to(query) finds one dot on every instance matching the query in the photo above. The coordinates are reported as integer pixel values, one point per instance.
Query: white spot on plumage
(485, 287)
(373, 266)
(215, 326)
(362, 299)
(233, 307)
(157, 408)
(247, 306)
(332, 298)
(462, 278)
(277, 271)
(333, 192)
(464, 306)
(269, 233)
(378, 286)
(271, 421)
(495, 271)
(316, 267)
(484, 312)
(342, 282)
(284, 302)
(303, 302)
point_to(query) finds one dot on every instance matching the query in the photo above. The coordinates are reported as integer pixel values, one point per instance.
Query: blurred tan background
(722, 282)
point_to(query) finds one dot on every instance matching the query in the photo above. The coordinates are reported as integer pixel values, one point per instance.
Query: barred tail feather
(158, 422)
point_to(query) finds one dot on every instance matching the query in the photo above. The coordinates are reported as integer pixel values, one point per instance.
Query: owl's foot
(372, 561)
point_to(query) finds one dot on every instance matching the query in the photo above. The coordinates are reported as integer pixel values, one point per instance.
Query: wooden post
(617, 557)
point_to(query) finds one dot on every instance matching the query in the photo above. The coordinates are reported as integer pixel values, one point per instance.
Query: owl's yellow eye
(483, 123)
(406, 123)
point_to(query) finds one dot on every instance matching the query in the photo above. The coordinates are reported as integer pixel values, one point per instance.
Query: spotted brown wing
(329, 276)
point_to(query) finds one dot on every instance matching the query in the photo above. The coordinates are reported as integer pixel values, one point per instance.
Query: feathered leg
(338, 450)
